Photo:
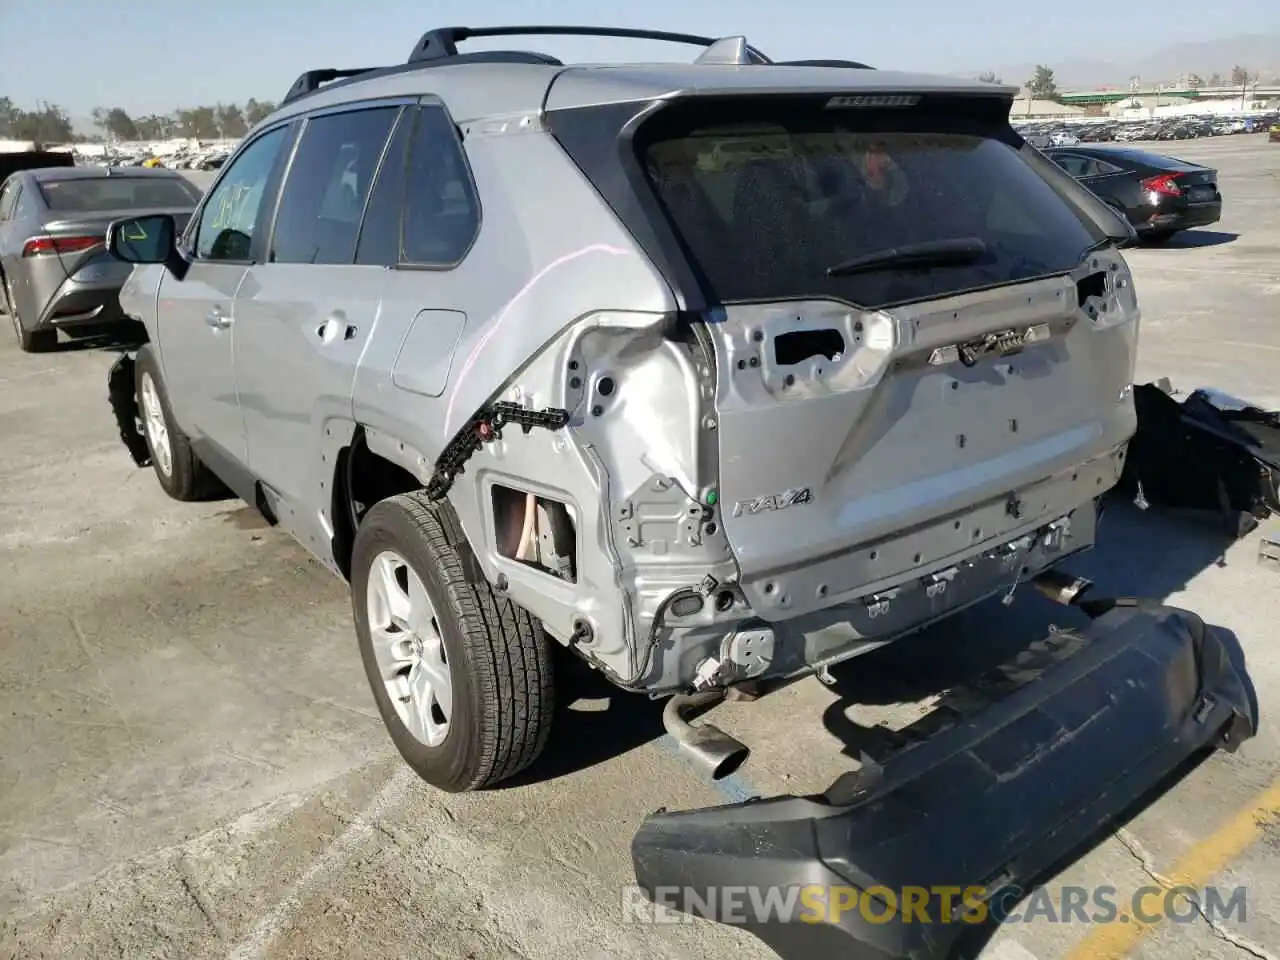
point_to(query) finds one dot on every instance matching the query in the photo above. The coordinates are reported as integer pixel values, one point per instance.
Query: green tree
(48, 123)
(1215, 80)
(9, 114)
(1042, 86)
(258, 110)
(115, 123)
(231, 120)
(1240, 76)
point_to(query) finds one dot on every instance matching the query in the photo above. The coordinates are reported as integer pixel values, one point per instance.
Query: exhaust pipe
(1061, 587)
(711, 747)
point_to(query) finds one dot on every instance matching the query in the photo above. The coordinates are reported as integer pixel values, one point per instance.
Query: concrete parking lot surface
(191, 765)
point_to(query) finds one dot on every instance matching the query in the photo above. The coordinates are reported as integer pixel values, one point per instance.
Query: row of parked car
(1065, 132)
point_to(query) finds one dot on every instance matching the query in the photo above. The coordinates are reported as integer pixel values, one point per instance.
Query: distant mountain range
(1258, 52)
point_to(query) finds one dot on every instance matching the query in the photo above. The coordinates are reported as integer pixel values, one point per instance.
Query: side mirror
(149, 239)
(142, 239)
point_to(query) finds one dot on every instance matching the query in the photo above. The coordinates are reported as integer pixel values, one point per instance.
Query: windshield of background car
(766, 205)
(90, 195)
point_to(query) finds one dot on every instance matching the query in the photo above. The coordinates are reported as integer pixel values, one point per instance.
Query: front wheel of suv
(179, 470)
(461, 675)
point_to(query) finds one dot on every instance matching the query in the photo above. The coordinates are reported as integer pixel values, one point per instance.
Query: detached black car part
(1041, 755)
(1209, 452)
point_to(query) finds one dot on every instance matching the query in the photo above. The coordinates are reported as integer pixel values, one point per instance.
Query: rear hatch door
(862, 257)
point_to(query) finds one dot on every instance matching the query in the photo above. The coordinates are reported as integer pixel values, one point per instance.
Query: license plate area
(1201, 194)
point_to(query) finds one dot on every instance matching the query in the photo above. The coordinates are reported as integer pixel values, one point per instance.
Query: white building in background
(1155, 108)
(1026, 109)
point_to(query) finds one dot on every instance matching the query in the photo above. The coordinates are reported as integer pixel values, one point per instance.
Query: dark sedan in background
(55, 272)
(1159, 195)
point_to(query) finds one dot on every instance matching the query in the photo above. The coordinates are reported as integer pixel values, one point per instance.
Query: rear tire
(179, 470)
(454, 633)
(31, 341)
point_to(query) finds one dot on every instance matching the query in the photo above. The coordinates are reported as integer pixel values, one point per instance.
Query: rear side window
(105, 194)
(767, 200)
(327, 185)
(441, 211)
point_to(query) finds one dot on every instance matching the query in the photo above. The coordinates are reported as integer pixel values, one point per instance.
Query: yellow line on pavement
(1194, 868)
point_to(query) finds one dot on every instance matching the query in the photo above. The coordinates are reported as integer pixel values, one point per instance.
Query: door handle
(217, 319)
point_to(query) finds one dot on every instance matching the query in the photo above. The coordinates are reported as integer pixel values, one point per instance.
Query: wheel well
(361, 478)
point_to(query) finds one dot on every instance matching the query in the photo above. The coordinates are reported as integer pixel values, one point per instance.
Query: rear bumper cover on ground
(1042, 755)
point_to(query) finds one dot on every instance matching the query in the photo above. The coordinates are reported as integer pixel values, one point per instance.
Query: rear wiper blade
(933, 253)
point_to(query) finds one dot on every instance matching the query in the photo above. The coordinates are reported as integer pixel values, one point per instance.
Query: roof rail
(310, 81)
(442, 43)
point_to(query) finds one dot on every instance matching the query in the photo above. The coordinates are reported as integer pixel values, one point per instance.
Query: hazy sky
(147, 55)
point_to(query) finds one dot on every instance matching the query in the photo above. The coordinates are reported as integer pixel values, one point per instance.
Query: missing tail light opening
(801, 345)
(1093, 285)
(536, 531)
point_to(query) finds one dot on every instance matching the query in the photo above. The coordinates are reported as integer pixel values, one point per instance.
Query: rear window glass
(1149, 159)
(766, 207)
(117, 193)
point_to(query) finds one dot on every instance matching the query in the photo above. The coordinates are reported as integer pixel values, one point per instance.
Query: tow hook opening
(709, 746)
(536, 531)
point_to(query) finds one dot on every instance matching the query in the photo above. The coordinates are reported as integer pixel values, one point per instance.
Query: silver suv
(713, 373)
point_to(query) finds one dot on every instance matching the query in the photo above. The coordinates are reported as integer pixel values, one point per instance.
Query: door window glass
(380, 232)
(227, 221)
(327, 186)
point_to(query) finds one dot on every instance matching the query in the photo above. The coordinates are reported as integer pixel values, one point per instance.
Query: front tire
(461, 675)
(179, 470)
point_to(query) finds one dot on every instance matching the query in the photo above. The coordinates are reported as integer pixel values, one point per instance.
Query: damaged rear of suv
(715, 374)
(908, 376)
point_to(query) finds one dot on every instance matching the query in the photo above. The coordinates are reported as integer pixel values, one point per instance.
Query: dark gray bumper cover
(1059, 744)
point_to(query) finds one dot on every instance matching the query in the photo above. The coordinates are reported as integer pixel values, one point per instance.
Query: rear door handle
(217, 319)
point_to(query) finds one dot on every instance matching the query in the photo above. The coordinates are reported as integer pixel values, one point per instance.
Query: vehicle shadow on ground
(1196, 239)
(1149, 554)
(594, 723)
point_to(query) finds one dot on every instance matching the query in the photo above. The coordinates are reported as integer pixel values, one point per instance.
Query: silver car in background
(55, 272)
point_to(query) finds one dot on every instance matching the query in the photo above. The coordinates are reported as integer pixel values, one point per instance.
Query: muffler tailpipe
(711, 747)
(1061, 587)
